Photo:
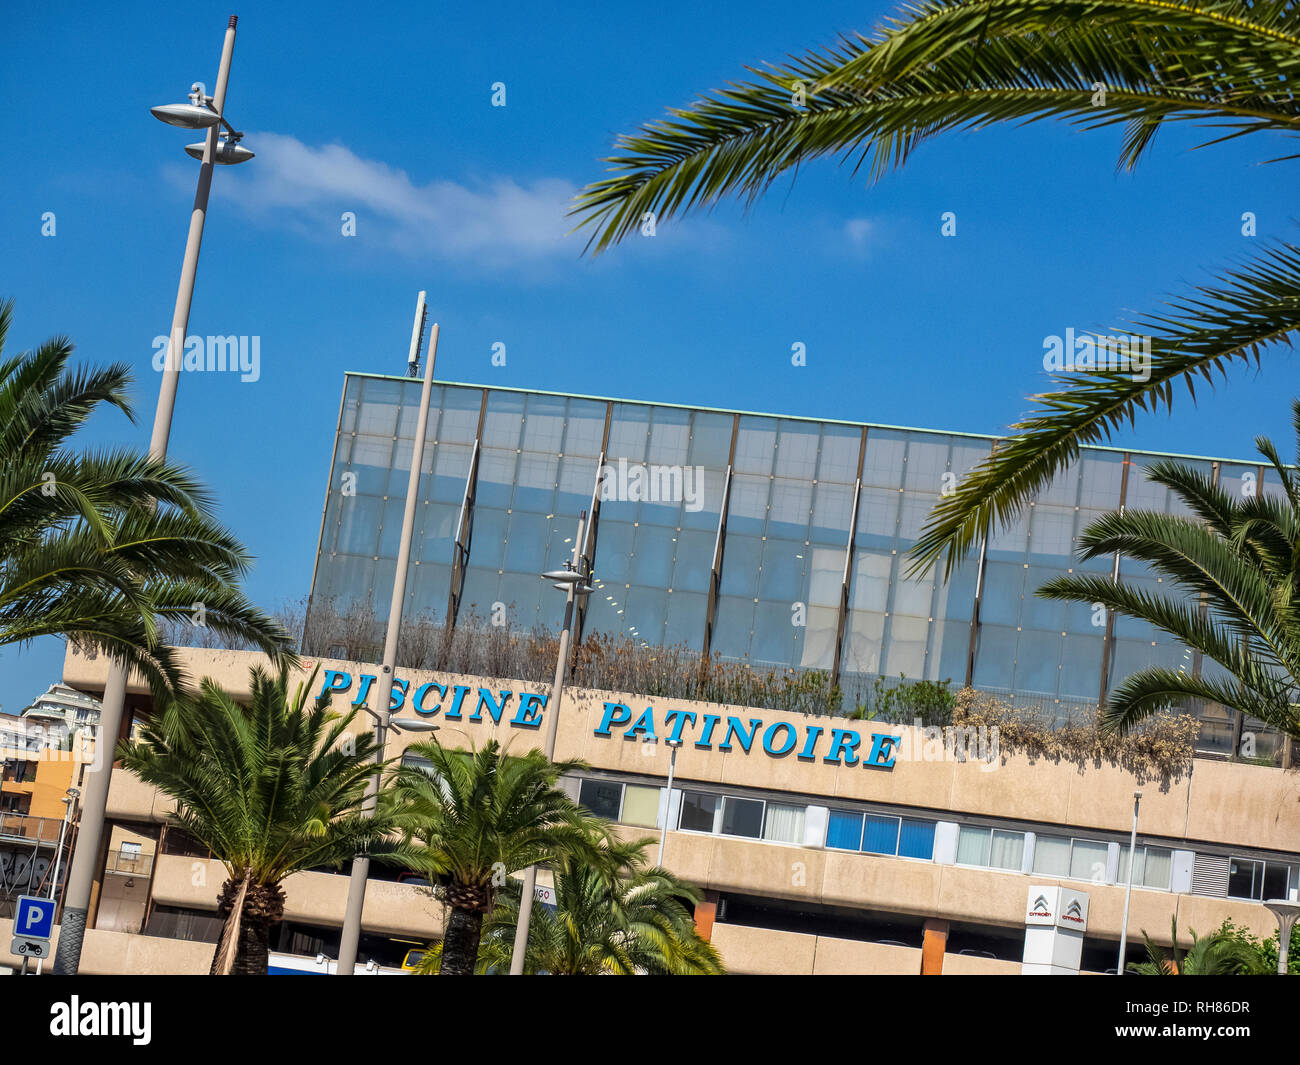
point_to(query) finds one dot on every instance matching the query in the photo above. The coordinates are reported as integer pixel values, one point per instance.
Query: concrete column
(705, 913)
(934, 944)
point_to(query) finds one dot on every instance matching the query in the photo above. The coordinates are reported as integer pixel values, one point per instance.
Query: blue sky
(386, 111)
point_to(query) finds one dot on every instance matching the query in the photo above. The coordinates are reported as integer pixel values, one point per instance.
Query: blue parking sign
(34, 918)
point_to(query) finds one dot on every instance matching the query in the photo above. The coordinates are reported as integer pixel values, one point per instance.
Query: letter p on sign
(34, 918)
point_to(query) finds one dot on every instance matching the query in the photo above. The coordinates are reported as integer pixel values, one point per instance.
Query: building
(41, 769)
(824, 844)
(821, 847)
(62, 713)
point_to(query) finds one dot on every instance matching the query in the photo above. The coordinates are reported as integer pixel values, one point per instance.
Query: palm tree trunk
(253, 958)
(460, 944)
(230, 902)
(250, 910)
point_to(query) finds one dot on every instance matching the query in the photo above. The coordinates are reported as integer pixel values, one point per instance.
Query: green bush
(903, 703)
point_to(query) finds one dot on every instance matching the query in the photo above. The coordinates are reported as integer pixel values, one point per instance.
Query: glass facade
(778, 541)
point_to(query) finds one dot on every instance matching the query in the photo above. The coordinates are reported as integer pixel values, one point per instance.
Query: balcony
(23, 828)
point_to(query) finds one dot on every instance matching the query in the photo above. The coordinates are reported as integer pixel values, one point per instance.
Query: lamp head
(414, 724)
(186, 116)
(228, 153)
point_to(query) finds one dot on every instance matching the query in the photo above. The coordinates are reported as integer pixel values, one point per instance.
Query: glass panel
(1088, 860)
(742, 817)
(1241, 879)
(916, 839)
(1138, 873)
(783, 823)
(1052, 855)
(1008, 851)
(881, 835)
(1275, 877)
(1159, 865)
(844, 830)
(640, 806)
(601, 797)
(973, 846)
(697, 811)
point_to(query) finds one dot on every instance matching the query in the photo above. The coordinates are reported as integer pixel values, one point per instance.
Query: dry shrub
(1161, 748)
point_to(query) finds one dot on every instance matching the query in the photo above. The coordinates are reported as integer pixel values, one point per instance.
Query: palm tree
(968, 64)
(1233, 569)
(270, 788)
(480, 816)
(636, 921)
(98, 547)
(1218, 954)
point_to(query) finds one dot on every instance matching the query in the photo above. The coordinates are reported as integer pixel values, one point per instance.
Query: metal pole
(58, 854)
(668, 806)
(82, 871)
(360, 864)
(552, 723)
(1128, 891)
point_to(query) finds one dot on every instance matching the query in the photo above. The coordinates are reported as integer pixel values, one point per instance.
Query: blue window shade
(844, 830)
(916, 840)
(881, 835)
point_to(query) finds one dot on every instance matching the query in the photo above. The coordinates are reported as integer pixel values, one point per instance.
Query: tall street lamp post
(1128, 890)
(220, 147)
(573, 581)
(668, 803)
(69, 802)
(351, 935)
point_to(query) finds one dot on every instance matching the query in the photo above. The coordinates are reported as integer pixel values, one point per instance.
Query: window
(629, 804)
(1007, 851)
(990, 848)
(783, 823)
(1152, 869)
(1251, 879)
(916, 839)
(880, 834)
(973, 846)
(698, 808)
(601, 797)
(1088, 860)
(844, 831)
(640, 806)
(178, 841)
(175, 922)
(1052, 856)
(414, 760)
(742, 817)
(1073, 859)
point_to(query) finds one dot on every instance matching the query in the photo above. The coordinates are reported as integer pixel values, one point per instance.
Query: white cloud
(498, 220)
(859, 231)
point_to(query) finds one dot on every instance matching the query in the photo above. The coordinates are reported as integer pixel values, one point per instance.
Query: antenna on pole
(417, 337)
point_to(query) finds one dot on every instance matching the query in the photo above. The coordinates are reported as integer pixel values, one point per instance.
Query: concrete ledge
(123, 953)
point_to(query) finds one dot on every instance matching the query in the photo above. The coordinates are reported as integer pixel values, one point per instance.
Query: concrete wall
(119, 952)
(310, 898)
(765, 951)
